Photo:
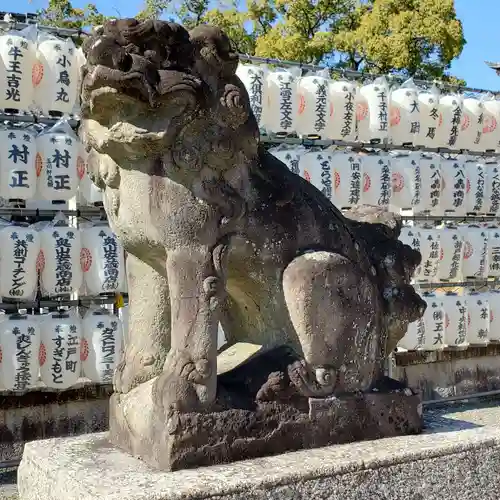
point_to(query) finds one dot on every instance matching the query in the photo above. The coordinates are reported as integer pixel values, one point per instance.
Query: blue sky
(480, 19)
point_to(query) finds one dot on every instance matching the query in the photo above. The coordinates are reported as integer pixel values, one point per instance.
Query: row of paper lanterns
(455, 253)
(455, 321)
(89, 261)
(284, 102)
(420, 182)
(39, 70)
(47, 166)
(58, 349)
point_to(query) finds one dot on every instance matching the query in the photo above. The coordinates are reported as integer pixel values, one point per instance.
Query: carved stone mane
(217, 229)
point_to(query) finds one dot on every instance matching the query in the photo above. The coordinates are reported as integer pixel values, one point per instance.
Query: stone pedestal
(444, 466)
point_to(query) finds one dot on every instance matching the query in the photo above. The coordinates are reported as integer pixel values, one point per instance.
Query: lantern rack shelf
(60, 302)
(82, 212)
(360, 75)
(313, 142)
(473, 283)
(21, 21)
(36, 119)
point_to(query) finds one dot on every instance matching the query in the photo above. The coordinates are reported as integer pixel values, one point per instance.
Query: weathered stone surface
(445, 466)
(220, 230)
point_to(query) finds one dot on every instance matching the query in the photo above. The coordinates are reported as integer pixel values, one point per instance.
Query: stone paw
(134, 371)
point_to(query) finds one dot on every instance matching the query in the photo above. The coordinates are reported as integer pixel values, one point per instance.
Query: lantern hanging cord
(349, 73)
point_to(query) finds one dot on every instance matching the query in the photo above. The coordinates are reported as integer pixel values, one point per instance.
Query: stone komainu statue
(217, 229)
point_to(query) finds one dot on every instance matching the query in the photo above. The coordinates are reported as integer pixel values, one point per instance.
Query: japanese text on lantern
(495, 191)
(321, 106)
(63, 81)
(418, 183)
(111, 262)
(480, 121)
(484, 314)
(64, 272)
(479, 192)
(60, 159)
(24, 357)
(20, 254)
(455, 123)
(495, 252)
(459, 186)
(437, 316)
(286, 107)
(420, 332)
(326, 176)
(355, 187)
(435, 185)
(455, 259)
(415, 123)
(19, 154)
(434, 115)
(108, 348)
(256, 91)
(382, 111)
(65, 359)
(431, 263)
(348, 113)
(14, 71)
(462, 325)
(385, 183)
(484, 255)
(293, 161)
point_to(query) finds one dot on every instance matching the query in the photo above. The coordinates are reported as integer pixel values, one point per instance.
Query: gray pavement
(443, 418)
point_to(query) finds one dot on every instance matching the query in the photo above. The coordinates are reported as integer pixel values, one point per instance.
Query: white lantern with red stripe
(456, 320)
(430, 249)
(454, 185)
(405, 114)
(17, 164)
(18, 262)
(316, 167)
(493, 251)
(60, 349)
(59, 260)
(102, 261)
(430, 118)
(282, 109)
(313, 104)
(377, 180)
(475, 253)
(374, 111)
(428, 191)
(56, 84)
(342, 113)
(478, 328)
(254, 79)
(491, 124)
(472, 125)
(18, 57)
(348, 179)
(451, 115)
(492, 194)
(475, 196)
(493, 297)
(452, 248)
(19, 352)
(405, 177)
(289, 156)
(102, 345)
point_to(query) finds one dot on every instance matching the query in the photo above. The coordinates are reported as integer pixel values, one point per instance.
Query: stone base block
(202, 439)
(443, 466)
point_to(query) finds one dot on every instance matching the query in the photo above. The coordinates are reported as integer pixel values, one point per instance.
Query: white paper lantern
(17, 55)
(281, 114)
(348, 179)
(60, 350)
(430, 249)
(492, 195)
(342, 116)
(478, 329)
(453, 184)
(254, 79)
(405, 115)
(475, 253)
(59, 166)
(427, 333)
(493, 297)
(456, 320)
(290, 157)
(493, 252)
(472, 125)
(430, 119)
(428, 197)
(314, 105)
(17, 164)
(410, 236)
(18, 262)
(59, 260)
(102, 346)
(316, 167)
(19, 353)
(475, 187)
(405, 176)
(57, 87)
(377, 180)
(373, 111)
(491, 129)
(450, 113)
(452, 247)
(102, 261)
